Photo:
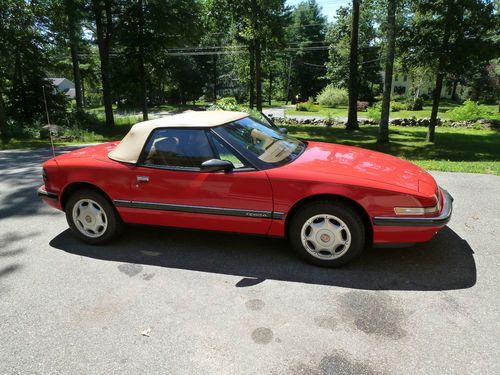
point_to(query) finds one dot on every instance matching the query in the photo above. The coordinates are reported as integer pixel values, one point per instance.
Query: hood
(361, 164)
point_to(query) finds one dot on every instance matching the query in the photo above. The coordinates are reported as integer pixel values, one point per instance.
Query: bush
(362, 106)
(416, 105)
(469, 111)
(397, 106)
(332, 97)
(236, 107)
(307, 106)
(227, 101)
(374, 112)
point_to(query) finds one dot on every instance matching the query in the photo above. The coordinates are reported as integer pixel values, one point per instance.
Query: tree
(338, 38)
(305, 36)
(104, 30)
(73, 13)
(461, 29)
(24, 54)
(352, 116)
(389, 65)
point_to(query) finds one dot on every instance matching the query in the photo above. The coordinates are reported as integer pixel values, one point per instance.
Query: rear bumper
(436, 221)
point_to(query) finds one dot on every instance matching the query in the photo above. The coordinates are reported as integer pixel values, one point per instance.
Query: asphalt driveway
(184, 302)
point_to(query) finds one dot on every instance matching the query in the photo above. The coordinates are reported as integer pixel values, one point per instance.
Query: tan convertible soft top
(130, 147)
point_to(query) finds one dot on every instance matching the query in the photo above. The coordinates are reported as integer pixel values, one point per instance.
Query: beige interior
(129, 149)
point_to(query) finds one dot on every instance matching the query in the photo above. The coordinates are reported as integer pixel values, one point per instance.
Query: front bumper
(436, 221)
(46, 194)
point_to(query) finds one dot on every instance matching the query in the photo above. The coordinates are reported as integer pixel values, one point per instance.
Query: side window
(184, 148)
(226, 154)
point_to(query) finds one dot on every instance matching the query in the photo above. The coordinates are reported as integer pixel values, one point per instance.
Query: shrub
(469, 111)
(227, 101)
(374, 112)
(397, 106)
(332, 96)
(362, 106)
(307, 106)
(416, 105)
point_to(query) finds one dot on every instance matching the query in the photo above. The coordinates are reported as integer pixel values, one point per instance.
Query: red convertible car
(227, 171)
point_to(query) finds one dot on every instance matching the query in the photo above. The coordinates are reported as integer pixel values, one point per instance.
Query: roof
(56, 81)
(129, 149)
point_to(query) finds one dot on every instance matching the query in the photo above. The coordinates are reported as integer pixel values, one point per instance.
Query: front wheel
(91, 217)
(327, 233)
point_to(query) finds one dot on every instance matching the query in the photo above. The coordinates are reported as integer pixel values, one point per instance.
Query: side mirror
(283, 130)
(214, 165)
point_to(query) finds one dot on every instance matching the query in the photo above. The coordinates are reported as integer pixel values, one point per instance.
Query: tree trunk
(84, 101)
(288, 81)
(270, 96)
(103, 40)
(383, 136)
(454, 90)
(352, 117)
(76, 77)
(74, 36)
(258, 76)
(3, 121)
(252, 75)
(142, 70)
(440, 74)
(214, 68)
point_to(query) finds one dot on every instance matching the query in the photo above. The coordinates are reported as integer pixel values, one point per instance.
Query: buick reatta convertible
(227, 171)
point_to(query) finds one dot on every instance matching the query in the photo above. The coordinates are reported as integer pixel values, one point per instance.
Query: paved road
(228, 304)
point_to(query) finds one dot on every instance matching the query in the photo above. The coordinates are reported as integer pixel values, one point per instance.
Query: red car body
(260, 201)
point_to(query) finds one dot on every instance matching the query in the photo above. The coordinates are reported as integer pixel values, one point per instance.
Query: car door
(168, 187)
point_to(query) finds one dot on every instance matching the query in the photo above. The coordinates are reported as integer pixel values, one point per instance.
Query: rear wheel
(91, 217)
(327, 233)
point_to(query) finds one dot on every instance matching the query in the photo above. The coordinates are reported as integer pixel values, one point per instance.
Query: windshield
(260, 143)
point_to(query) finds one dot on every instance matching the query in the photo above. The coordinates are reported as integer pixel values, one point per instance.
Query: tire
(327, 233)
(97, 226)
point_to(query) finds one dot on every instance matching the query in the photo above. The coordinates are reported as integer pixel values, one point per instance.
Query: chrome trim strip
(440, 220)
(257, 214)
(46, 194)
(278, 215)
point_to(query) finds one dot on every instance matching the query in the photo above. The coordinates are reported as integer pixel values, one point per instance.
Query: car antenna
(48, 122)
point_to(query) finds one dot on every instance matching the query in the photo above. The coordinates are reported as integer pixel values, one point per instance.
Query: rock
(396, 121)
(56, 131)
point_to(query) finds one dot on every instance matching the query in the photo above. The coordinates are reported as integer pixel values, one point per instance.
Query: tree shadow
(445, 263)
(20, 176)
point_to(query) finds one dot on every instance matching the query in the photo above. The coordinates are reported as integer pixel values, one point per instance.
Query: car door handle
(143, 179)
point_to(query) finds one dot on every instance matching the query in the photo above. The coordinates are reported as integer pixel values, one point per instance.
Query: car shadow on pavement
(445, 263)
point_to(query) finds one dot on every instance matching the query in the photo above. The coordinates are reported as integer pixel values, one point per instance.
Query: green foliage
(369, 51)
(417, 104)
(307, 29)
(227, 101)
(308, 106)
(469, 111)
(397, 106)
(235, 107)
(374, 113)
(332, 97)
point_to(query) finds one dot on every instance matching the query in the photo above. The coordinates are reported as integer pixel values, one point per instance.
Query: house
(402, 83)
(64, 85)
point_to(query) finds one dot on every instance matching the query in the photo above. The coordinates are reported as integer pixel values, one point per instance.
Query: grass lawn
(455, 150)
(424, 113)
